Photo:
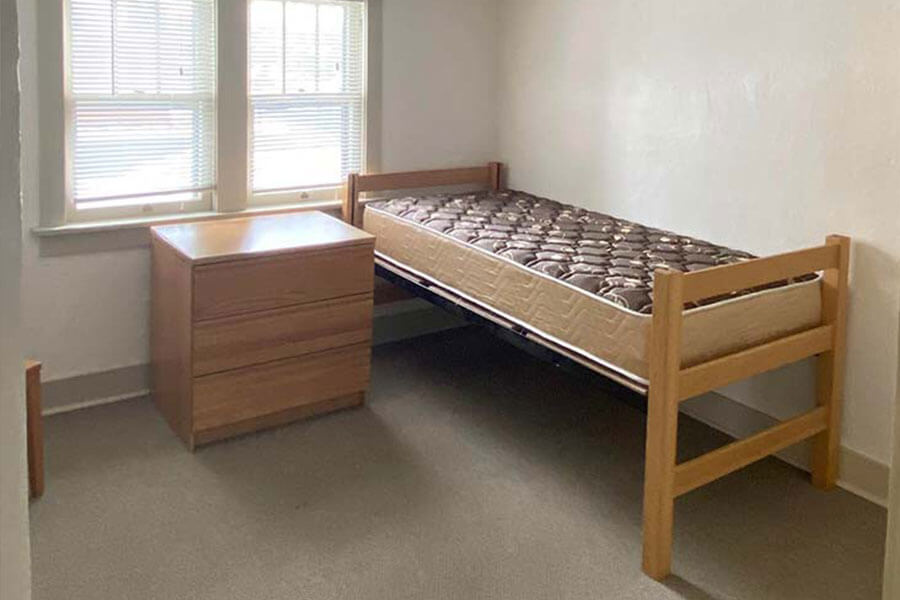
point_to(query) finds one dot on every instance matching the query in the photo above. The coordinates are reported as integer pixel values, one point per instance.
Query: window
(140, 97)
(141, 103)
(306, 93)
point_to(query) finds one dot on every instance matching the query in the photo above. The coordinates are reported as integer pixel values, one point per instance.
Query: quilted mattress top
(612, 258)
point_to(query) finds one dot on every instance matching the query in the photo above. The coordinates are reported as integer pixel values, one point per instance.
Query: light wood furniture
(259, 321)
(670, 382)
(351, 209)
(34, 429)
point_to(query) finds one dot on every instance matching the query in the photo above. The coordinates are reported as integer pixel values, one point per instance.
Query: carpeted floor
(473, 472)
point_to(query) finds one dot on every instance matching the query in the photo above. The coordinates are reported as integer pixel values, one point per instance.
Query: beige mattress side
(615, 336)
(734, 325)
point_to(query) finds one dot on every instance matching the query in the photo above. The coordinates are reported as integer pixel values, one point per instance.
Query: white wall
(15, 565)
(86, 313)
(762, 124)
(439, 83)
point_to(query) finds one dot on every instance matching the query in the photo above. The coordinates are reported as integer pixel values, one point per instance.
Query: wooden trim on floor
(860, 474)
(34, 429)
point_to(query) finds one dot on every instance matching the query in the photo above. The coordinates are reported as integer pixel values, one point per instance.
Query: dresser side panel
(170, 337)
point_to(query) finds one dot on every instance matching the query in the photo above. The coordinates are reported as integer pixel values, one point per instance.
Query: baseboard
(859, 474)
(82, 391)
(393, 322)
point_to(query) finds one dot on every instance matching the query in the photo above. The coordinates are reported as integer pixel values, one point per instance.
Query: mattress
(580, 278)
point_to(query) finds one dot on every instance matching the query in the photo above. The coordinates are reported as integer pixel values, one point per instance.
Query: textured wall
(759, 124)
(439, 83)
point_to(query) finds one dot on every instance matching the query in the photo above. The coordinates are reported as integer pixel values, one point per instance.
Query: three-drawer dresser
(259, 321)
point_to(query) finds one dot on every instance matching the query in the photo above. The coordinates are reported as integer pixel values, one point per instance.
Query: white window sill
(111, 225)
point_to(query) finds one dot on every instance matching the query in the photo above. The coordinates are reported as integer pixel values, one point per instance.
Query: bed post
(662, 421)
(495, 173)
(350, 204)
(830, 368)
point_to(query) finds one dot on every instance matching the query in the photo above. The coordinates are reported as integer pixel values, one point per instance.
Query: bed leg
(350, 204)
(659, 500)
(495, 173)
(830, 369)
(662, 423)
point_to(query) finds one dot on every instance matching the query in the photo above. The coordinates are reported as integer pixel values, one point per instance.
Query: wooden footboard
(670, 383)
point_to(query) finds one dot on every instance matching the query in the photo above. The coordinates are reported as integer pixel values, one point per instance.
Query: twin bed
(666, 315)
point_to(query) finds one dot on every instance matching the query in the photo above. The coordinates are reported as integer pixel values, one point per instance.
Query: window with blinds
(306, 92)
(141, 102)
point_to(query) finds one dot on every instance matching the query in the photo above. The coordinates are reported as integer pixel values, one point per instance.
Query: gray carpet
(473, 472)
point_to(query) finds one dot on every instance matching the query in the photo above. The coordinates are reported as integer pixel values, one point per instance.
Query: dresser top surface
(246, 237)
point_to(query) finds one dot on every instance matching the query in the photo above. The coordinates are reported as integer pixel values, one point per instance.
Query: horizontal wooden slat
(759, 359)
(275, 419)
(252, 392)
(254, 338)
(759, 271)
(422, 179)
(709, 467)
(244, 286)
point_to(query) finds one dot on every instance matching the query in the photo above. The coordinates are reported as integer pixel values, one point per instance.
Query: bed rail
(671, 383)
(741, 276)
(488, 175)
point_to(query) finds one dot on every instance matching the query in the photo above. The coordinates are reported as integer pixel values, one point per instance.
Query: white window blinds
(141, 101)
(306, 92)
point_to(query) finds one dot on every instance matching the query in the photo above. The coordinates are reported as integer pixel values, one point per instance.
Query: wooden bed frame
(670, 383)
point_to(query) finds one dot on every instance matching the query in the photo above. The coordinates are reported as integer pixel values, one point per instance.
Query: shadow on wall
(872, 338)
(872, 335)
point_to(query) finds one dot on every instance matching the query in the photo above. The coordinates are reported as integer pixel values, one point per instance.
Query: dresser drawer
(251, 392)
(249, 339)
(237, 287)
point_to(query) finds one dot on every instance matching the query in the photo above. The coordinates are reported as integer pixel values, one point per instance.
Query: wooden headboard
(488, 175)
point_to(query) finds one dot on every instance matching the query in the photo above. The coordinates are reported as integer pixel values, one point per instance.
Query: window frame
(232, 185)
(320, 191)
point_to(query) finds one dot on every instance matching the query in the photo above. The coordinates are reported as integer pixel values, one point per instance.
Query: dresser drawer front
(232, 288)
(248, 393)
(244, 340)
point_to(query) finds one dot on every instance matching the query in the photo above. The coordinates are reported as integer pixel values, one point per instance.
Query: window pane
(266, 49)
(141, 146)
(141, 100)
(306, 82)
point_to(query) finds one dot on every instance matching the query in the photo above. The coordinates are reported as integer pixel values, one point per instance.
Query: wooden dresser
(259, 321)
